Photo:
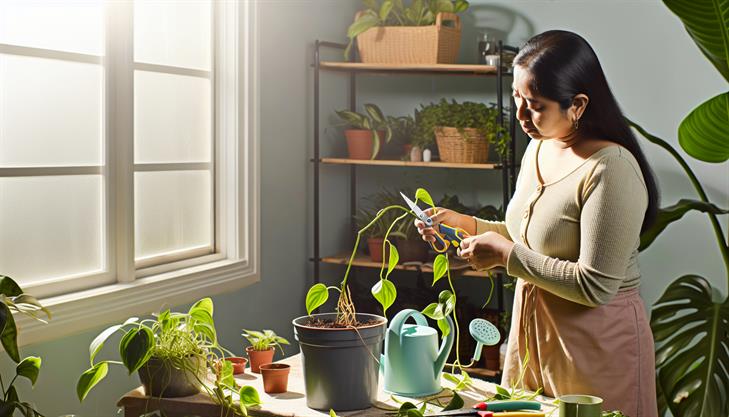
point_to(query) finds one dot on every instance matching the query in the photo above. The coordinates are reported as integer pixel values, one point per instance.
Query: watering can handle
(445, 348)
(400, 318)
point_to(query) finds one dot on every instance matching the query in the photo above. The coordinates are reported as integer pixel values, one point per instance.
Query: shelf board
(385, 162)
(459, 267)
(460, 69)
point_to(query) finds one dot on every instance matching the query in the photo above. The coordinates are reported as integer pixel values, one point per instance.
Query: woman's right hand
(447, 216)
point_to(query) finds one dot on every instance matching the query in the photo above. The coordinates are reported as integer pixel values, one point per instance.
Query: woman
(584, 194)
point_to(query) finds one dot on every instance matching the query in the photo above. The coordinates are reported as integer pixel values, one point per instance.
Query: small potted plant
(275, 377)
(403, 132)
(263, 346)
(365, 133)
(462, 131)
(173, 354)
(421, 32)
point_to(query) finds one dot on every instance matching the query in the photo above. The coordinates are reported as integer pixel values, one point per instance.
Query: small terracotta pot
(374, 245)
(359, 143)
(239, 364)
(412, 250)
(259, 357)
(275, 377)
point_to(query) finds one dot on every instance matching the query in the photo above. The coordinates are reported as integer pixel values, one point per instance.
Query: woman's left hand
(486, 251)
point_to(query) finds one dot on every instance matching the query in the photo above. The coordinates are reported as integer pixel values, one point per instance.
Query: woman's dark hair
(562, 64)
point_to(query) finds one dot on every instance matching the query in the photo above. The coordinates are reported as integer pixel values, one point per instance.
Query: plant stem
(723, 247)
(382, 269)
(455, 318)
(359, 235)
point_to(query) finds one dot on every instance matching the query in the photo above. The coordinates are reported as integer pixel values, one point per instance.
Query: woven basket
(434, 44)
(452, 147)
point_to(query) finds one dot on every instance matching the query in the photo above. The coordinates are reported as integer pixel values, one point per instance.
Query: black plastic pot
(164, 379)
(340, 370)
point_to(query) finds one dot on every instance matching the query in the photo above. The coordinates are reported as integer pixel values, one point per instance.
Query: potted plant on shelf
(14, 300)
(365, 132)
(462, 131)
(173, 353)
(422, 32)
(263, 347)
(403, 132)
(332, 343)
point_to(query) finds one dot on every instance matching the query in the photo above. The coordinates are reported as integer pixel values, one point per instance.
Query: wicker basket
(434, 44)
(452, 147)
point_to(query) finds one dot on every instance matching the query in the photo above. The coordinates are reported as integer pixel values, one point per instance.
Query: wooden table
(291, 403)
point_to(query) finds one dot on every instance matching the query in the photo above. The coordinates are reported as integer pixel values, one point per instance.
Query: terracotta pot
(259, 357)
(359, 143)
(239, 364)
(163, 379)
(275, 377)
(374, 245)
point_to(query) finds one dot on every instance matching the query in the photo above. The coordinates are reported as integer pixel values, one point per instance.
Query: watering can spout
(445, 349)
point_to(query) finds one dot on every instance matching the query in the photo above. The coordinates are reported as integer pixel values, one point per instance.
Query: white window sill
(74, 313)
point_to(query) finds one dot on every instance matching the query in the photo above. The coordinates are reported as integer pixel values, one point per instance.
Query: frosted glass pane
(175, 33)
(51, 226)
(172, 118)
(172, 211)
(71, 26)
(50, 112)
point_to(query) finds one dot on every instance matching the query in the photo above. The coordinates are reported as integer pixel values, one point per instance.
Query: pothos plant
(183, 341)
(13, 300)
(385, 292)
(396, 13)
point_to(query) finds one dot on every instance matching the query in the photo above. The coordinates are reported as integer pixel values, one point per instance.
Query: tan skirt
(605, 351)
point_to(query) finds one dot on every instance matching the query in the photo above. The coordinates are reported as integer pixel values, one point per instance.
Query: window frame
(235, 263)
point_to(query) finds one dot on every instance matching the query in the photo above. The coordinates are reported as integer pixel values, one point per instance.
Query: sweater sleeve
(483, 226)
(614, 200)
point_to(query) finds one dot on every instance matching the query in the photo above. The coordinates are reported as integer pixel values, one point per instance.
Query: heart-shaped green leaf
(90, 378)
(29, 368)
(422, 195)
(226, 377)
(9, 336)
(317, 295)
(205, 304)
(707, 22)
(98, 343)
(394, 258)
(670, 214)
(249, 396)
(448, 300)
(445, 328)
(691, 332)
(434, 311)
(135, 348)
(440, 267)
(704, 133)
(9, 287)
(385, 293)
(455, 403)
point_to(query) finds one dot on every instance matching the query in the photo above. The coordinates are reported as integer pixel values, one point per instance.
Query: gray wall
(656, 72)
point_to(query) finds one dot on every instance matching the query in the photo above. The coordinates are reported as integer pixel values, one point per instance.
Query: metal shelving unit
(507, 166)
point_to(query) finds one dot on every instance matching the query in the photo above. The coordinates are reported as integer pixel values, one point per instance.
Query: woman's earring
(576, 124)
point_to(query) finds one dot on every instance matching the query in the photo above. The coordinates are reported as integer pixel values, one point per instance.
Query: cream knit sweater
(577, 236)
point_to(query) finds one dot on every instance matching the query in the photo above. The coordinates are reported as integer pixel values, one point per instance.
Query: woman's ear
(579, 104)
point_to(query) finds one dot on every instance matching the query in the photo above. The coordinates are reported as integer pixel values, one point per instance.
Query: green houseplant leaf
(249, 396)
(694, 348)
(9, 336)
(440, 267)
(90, 378)
(385, 293)
(670, 214)
(316, 296)
(29, 368)
(393, 259)
(707, 22)
(135, 348)
(424, 196)
(98, 343)
(704, 133)
(9, 287)
(455, 403)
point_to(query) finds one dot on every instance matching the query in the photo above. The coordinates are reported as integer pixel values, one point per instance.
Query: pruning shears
(492, 409)
(445, 235)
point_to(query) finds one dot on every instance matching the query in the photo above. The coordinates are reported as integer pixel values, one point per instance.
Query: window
(127, 179)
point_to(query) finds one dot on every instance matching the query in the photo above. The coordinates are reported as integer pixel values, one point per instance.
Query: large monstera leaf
(707, 21)
(692, 361)
(704, 133)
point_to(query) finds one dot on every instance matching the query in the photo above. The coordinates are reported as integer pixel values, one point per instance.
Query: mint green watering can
(412, 363)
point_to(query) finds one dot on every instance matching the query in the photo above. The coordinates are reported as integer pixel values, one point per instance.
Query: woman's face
(540, 117)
